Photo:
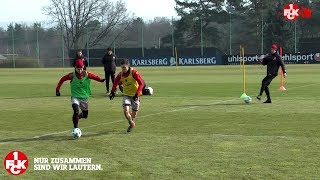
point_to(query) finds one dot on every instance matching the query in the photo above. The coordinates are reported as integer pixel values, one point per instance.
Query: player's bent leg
(134, 114)
(268, 95)
(126, 103)
(135, 107)
(75, 117)
(263, 85)
(126, 112)
(129, 118)
(84, 114)
(268, 82)
(84, 105)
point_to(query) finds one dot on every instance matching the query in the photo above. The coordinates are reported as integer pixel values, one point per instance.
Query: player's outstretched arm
(95, 77)
(114, 86)
(283, 67)
(61, 81)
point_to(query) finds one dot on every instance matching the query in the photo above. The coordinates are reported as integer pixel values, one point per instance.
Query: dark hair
(79, 50)
(125, 62)
(109, 49)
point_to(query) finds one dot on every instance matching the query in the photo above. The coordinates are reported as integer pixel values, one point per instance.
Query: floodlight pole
(38, 50)
(142, 40)
(230, 36)
(201, 36)
(13, 58)
(295, 36)
(114, 46)
(262, 27)
(62, 45)
(88, 53)
(172, 37)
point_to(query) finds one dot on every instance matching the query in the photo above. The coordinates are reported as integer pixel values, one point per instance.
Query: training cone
(244, 95)
(282, 88)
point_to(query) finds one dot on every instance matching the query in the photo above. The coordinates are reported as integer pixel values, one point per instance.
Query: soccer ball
(247, 99)
(147, 91)
(76, 133)
(317, 57)
(150, 90)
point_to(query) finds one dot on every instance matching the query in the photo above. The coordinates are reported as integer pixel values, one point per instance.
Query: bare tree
(156, 29)
(153, 32)
(95, 19)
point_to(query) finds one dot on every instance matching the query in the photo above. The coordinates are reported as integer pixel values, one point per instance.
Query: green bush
(20, 62)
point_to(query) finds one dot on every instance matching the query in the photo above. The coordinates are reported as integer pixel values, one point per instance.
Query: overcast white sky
(31, 10)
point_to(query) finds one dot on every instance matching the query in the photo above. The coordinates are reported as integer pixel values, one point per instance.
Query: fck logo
(16, 162)
(293, 12)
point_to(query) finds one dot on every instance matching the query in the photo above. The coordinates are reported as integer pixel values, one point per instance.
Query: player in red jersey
(80, 90)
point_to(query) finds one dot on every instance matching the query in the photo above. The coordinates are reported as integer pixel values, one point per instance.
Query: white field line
(163, 112)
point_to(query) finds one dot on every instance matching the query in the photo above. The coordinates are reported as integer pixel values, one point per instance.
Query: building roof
(2, 57)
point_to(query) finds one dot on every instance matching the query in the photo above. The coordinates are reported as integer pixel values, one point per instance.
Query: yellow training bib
(130, 85)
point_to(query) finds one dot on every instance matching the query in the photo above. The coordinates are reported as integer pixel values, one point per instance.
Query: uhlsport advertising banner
(307, 58)
(172, 61)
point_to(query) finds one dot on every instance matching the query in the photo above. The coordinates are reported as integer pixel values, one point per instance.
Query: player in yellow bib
(132, 89)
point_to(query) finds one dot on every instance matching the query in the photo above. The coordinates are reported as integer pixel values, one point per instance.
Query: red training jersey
(135, 74)
(69, 76)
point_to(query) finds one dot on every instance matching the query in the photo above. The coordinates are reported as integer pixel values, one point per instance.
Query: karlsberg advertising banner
(172, 61)
(307, 58)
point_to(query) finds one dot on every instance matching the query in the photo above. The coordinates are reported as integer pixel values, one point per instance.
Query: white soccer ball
(76, 133)
(247, 99)
(150, 90)
(317, 57)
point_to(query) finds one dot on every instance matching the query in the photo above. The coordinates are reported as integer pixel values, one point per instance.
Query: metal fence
(41, 45)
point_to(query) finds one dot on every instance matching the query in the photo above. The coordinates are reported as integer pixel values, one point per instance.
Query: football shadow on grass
(231, 104)
(31, 97)
(57, 137)
(105, 95)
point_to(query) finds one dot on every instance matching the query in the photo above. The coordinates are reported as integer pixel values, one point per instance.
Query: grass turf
(194, 126)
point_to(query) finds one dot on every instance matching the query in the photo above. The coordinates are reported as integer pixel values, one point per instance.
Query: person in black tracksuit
(109, 61)
(273, 62)
(79, 56)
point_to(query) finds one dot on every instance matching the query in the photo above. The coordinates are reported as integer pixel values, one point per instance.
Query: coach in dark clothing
(79, 56)
(273, 62)
(109, 61)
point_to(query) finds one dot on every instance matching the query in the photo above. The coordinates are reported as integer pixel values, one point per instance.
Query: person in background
(273, 62)
(79, 56)
(109, 61)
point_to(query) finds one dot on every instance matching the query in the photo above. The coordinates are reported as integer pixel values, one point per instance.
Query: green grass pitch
(193, 127)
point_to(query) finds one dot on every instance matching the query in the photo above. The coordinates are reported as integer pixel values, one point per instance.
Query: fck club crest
(294, 11)
(16, 162)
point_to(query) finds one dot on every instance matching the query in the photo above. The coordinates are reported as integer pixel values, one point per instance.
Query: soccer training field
(194, 126)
